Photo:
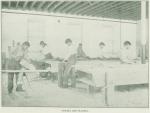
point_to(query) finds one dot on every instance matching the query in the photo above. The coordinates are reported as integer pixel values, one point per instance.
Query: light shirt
(19, 53)
(71, 50)
(103, 53)
(45, 50)
(127, 55)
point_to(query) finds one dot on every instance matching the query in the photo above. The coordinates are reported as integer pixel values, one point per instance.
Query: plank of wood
(29, 71)
(86, 81)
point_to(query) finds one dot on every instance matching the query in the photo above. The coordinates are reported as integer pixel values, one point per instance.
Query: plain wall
(138, 41)
(54, 31)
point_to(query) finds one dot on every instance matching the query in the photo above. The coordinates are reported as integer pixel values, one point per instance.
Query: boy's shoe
(19, 88)
(9, 91)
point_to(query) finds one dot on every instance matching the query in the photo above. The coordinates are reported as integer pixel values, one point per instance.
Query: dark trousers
(66, 72)
(11, 81)
(12, 65)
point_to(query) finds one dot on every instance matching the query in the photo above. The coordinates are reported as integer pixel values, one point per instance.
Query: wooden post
(61, 67)
(143, 55)
(106, 90)
(73, 75)
(143, 30)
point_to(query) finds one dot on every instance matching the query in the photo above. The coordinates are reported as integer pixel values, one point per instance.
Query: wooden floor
(46, 93)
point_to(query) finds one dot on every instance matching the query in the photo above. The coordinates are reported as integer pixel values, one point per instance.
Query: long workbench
(107, 74)
(118, 74)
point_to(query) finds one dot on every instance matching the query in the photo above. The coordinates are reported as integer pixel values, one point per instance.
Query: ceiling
(127, 10)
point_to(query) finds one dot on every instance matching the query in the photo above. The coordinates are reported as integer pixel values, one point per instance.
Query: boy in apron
(66, 68)
(126, 53)
(14, 63)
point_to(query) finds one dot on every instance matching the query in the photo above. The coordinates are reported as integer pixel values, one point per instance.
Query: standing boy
(102, 53)
(14, 63)
(66, 68)
(44, 50)
(126, 53)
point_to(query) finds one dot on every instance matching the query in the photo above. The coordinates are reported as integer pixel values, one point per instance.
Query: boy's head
(43, 44)
(68, 42)
(127, 44)
(25, 45)
(101, 45)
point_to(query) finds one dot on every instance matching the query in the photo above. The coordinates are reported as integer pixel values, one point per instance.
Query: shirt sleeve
(16, 53)
(71, 51)
(26, 55)
(102, 54)
(127, 56)
(46, 50)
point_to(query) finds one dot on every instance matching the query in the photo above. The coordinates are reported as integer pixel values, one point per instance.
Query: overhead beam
(131, 5)
(25, 4)
(135, 14)
(87, 7)
(71, 6)
(56, 6)
(67, 3)
(40, 6)
(4, 4)
(9, 4)
(131, 11)
(125, 12)
(79, 7)
(120, 16)
(92, 10)
(17, 4)
(131, 14)
(32, 5)
(120, 6)
(111, 11)
(52, 6)
(48, 6)
(112, 8)
(59, 6)
(105, 8)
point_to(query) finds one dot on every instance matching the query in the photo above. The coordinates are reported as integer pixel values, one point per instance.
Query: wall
(138, 41)
(54, 30)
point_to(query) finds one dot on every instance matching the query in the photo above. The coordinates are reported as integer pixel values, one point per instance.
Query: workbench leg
(73, 77)
(143, 55)
(106, 90)
(109, 92)
(61, 68)
(110, 96)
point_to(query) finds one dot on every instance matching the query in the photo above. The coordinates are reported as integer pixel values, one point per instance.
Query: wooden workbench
(107, 74)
